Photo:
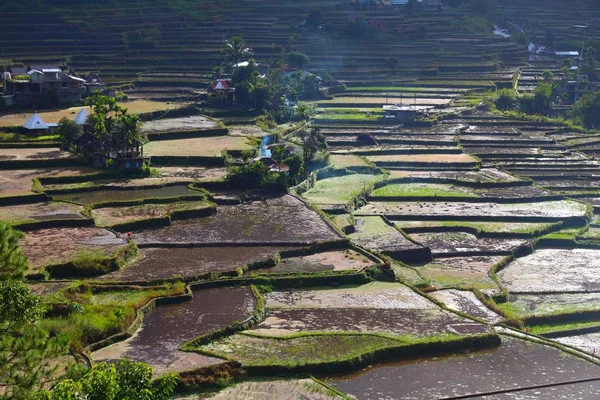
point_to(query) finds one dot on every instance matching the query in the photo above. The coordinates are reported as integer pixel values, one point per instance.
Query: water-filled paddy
(551, 210)
(101, 196)
(47, 211)
(540, 304)
(169, 263)
(463, 242)
(487, 175)
(572, 391)
(421, 323)
(466, 302)
(373, 308)
(514, 364)
(279, 220)
(170, 326)
(554, 270)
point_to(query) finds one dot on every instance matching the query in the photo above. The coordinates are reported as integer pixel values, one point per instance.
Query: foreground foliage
(124, 380)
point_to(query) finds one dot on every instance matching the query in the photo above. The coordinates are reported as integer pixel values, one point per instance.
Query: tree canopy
(123, 380)
(13, 262)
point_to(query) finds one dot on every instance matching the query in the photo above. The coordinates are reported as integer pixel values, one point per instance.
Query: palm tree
(236, 49)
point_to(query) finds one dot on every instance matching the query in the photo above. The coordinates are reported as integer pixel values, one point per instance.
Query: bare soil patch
(108, 216)
(59, 245)
(342, 260)
(134, 107)
(196, 122)
(19, 181)
(42, 153)
(206, 147)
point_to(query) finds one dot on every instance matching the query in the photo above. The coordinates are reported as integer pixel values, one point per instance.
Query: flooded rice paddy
(41, 212)
(554, 270)
(101, 196)
(278, 220)
(547, 210)
(169, 263)
(513, 365)
(164, 330)
(447, 243)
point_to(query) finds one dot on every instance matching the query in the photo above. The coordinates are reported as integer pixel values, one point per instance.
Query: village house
(573, 90)
(29, 86)
(401, 113)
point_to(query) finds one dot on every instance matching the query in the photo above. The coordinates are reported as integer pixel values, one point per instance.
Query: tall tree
(313, 142)
(235, 50)
(13, 263)
(26, 352)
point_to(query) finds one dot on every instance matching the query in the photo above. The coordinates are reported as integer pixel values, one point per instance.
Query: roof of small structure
(81, 117)
(566, 53)
(35, 122)
(221, 84)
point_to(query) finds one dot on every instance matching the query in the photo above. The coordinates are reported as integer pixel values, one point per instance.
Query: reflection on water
(514, 364)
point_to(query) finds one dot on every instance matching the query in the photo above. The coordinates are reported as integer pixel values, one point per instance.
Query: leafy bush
(506, 99)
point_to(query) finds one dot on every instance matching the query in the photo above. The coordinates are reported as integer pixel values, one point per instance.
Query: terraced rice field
(455, 224)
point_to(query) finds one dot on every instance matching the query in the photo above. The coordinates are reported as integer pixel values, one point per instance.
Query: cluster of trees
(30, 357)
(585, 111)
(254, 174)
(112, 127)
(275, 93)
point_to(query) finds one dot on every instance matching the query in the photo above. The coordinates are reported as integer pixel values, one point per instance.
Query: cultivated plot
(554, 270)
(279, 220)
(60, 245)
(515, 364)
(164, 330)
(170, 263)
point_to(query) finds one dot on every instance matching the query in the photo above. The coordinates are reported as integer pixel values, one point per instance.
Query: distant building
(28, 86)
(573, 90)
(401, 113)
(566, 54)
